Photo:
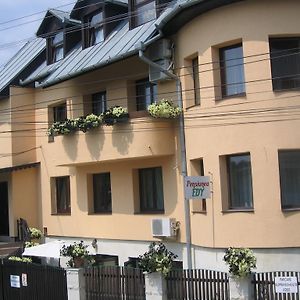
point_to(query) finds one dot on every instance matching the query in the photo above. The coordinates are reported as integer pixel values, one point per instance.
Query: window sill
(61, 214)
(195, 212)
(100, 213)
(238, 210)
(287, 210)
(150, 213)
(286, 90)
(193, 106)
(225, 97)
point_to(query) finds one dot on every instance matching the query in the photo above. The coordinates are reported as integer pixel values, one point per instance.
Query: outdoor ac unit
(160, 50)
(156, 75)
(165, 227)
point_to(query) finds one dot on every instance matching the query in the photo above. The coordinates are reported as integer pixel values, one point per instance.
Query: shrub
(240, 261)
(35, 233)
(20, 259)
(75, 250)
(157, 259)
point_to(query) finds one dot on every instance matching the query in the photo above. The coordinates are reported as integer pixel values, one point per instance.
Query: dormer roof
(55, 18)
(83, 7)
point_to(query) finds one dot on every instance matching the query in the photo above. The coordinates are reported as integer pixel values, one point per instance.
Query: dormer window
(143, 11)
(94, 33)
(57, 47)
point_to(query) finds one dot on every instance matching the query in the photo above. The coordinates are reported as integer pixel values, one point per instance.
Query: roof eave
(188, 11)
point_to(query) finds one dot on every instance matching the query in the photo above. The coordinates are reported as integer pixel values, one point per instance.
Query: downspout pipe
(182, 148)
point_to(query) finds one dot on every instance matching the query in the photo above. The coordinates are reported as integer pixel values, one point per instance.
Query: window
(62, 204)
(59, 112)
(239, 181)
(151, 190)
(99, 103)
(195, 70)
(232, 70)
(146, 93)
(94, 34)
(285, 63)
(289, 169)
(143, 11)
(102, 193)
(56, 48)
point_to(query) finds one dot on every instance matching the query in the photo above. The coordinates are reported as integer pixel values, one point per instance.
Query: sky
(13, 31)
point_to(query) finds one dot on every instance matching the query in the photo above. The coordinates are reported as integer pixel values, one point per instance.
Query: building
(238, 63)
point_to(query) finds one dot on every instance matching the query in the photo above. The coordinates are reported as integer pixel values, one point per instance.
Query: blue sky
(13, 31)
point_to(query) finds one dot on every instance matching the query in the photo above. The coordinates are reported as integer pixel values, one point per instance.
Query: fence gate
(264, 286)
(118, 283)
(27, 281)
(197, 284)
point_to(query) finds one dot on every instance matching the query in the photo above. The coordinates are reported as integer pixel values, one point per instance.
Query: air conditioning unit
(156, 75)
(164, 227)
(160, 50)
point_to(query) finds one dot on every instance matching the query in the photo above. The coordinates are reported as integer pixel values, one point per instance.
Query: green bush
(20, 259)
(157, 259)
(240, 261)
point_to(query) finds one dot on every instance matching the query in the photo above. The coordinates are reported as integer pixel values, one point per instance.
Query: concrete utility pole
(182, 150)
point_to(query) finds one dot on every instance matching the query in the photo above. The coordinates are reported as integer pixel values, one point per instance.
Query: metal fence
(197, 284)
(27, 281)
(264, 286)
(116, 283)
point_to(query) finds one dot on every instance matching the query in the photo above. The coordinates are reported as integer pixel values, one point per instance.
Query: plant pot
(78, 262)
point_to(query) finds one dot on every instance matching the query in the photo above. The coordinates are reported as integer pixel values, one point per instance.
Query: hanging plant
(240, 261)
(91, 121)
(114, 115)
(62, 128)
(164, 109)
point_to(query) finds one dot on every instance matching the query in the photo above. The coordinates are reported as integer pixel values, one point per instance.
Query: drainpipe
(182, 148)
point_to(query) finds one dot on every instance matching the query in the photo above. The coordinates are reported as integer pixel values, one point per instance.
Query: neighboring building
(239, 66)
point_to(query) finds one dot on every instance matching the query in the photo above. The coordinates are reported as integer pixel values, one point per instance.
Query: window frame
(109, 191)
(230, 205)
(224, 68)
(291, 79)
(133, 11)
(99, 106)
(196, 80)
(56, 112)
(89, 30)
(280, 167)
(141, 97)
(142, 201)
(53, 47)
(56, 200)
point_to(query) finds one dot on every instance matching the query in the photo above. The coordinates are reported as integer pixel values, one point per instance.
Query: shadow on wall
(70, 143)
(95, 140)
(122, 136)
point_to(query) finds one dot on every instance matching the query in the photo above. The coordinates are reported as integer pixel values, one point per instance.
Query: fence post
(155, 286)
(241, 288)
(76, 284)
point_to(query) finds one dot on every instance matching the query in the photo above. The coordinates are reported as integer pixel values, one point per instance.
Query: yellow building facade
(238, 66)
